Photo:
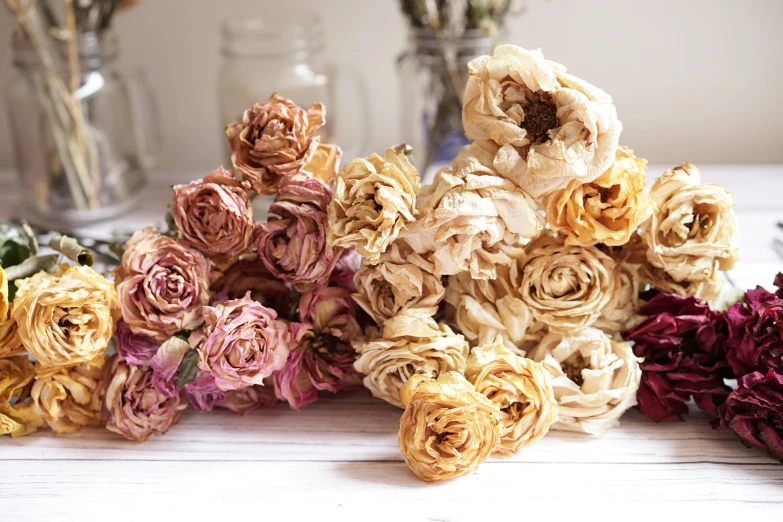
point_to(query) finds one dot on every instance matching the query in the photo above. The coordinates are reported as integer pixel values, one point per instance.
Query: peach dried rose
(374, 199)
(473, 219)
(606, 210)
(407, 345)
(519, 388)
(545, 126)
(448, 428)
(69, 398)
(594, 378)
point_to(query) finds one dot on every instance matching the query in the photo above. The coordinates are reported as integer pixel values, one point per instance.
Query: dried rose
(277, 138)
(682, 357)
(401, 281)
(692, 232)
(69, 398)
(241, 344)
(448, 428)
(248, 275)
(249, 399)
(293, 246)
(132, 407)
(567, 287)
(754, 411)
(19, 419)
(136, 349)
(472, 219)
(550, 127)
(606, 210)
(374, 199)
(621, 312)
(214, 216)
(10, 343)
(15, 373)
(594, 378)
(408, 345)
(345, 269)
(163, 284)
(65, 319)
(4, 304)
(519, 388)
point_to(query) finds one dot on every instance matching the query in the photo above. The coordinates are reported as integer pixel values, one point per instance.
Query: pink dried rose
(247, 400)
(248, 275)
(136, 349)
(293, 246)
(754, 411)
(214, 216)
(132, 406)
(167, 364)
(345, 269)
(241, 343)
(277, 138)
(162, 285)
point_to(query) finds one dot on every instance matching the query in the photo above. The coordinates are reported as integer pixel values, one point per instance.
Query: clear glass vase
(82, 155)
(433, 73)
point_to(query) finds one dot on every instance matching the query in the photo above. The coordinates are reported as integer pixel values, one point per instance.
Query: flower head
(133, 348)
(214, 216)
(65, 319)
(448, 428)
(248, 275)
(249, 399)
(15, 373)
(69, 398)
(4, 304)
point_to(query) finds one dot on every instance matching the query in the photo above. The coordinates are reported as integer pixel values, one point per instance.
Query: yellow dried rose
(568, 287)
(473, 219)
(15, 374)
(66, 319)
(373, 200)
(606, 210)
(594, 378)
(519, 388)
(407, 345)
(10, 343)
(691, 235)
(3, 297)
(68, 398)
(401, 281)
(547, 126)
(448, 428)
(18, 420)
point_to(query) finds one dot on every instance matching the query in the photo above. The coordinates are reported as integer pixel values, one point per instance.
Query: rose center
(573, 367)
(515, 410)
(540, 117)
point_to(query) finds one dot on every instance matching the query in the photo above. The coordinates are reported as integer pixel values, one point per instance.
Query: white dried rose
(691, 235)
(473, 219)
(407, 345)
(568, 286)
(594, 378)
(546, 126)
(620, 313)
(373, 200)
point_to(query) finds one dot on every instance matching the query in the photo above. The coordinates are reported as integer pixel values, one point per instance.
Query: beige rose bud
(448, 428)
(68, 398)
(373, 200)
(408, 345)
(606, 210)
(473, 219)
(594, 378)
(568, 287)
(401, 281)
(691, 235)
(547, 126)
(519, 388)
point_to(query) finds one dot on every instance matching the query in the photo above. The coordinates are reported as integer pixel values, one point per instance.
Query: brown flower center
(573, 367)
(515, 410)
(540, 118)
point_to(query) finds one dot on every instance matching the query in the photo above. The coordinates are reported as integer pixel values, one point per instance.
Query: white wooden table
(339, 456)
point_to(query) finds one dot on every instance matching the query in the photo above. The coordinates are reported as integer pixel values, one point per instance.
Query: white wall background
(697, 80)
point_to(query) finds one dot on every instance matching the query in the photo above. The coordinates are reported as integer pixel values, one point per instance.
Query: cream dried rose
(519, 388)
(373, 200)
(448, 428)
(606, 210)
(620, 313)
(69, 398)
(692, 233)
(594, 378)
(567, 287)
(408, 345)
(549, 126)
(401, 281)
(473, 219)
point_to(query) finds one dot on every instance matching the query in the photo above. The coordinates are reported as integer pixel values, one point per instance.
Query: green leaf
(13, 246)
(188, 368)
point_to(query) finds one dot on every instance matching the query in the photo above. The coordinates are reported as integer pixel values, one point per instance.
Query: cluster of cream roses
(500, 290)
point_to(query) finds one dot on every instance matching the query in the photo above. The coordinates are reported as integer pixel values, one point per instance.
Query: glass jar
(433, 73)
(284, 53)
(120, 135)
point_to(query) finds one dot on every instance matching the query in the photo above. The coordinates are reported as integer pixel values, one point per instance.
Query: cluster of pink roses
(224, 312)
